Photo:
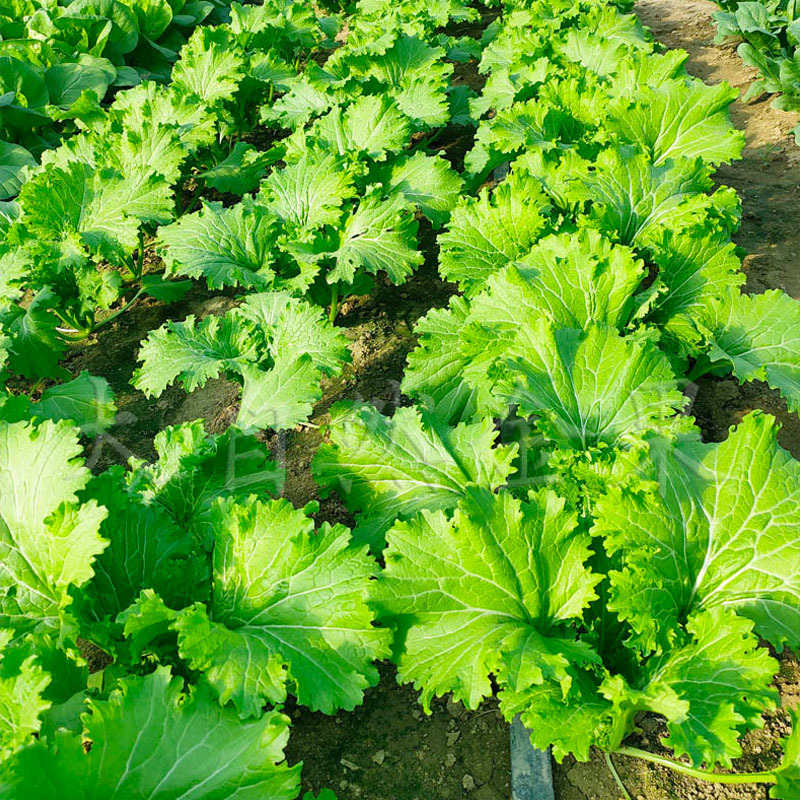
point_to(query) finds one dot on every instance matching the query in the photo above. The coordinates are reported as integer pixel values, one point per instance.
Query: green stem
(119, 311)
(700, 368)
(701, 774)
(139, 265)
(190, 206)
(473, 185)
(334, 303)
(428, 143)
(77, 336)
(75, 332)
(613, 770)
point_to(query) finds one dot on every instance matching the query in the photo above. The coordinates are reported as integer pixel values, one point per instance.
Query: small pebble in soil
(649, 725)
(454, 709)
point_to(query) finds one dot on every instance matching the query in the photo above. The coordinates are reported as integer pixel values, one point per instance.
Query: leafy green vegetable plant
(646, 596)
(147, 740)
(624, 566)
(157, 564)
(770, 42)
(277, 345)
(59, 61)
(551, 523)
(337, 200)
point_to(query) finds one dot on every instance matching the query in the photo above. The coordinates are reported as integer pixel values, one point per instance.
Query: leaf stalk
(334, 310)
(700, 774)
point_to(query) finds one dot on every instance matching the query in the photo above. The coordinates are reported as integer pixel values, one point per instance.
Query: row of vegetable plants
(60, 62)
(769, 36)
(124, 558)
(554, 522)
(593, 556)
(85, 226)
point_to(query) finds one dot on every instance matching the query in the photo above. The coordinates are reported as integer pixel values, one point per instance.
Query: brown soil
(387, 749)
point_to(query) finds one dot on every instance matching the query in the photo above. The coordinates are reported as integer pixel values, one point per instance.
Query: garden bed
(387, 749)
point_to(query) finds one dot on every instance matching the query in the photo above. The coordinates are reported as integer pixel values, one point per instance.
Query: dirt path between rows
(768, 181)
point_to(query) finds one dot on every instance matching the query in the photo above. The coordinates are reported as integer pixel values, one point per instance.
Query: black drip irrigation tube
(531, 769)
